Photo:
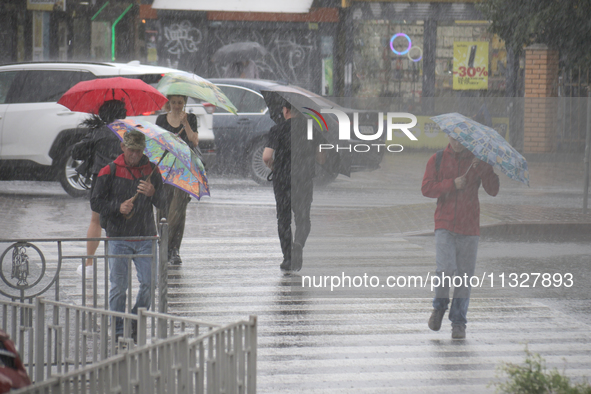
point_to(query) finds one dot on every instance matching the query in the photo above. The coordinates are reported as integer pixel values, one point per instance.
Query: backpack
(83, 151)
(104, 219)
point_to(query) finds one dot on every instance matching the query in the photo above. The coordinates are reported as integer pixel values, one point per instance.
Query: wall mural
(289, 54)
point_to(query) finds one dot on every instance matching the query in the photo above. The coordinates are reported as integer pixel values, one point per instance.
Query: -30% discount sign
(470, 65)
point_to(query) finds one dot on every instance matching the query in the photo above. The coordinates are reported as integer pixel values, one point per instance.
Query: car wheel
(75, 184)
(256, 167)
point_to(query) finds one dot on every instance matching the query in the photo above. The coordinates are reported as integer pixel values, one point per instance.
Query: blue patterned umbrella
(486, 144)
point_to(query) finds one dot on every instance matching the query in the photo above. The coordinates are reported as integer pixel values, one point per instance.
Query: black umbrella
(304, 102)
(239, 52)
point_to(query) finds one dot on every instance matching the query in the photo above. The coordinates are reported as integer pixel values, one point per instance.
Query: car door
(6, 80)
(33, 120)
(233, 133)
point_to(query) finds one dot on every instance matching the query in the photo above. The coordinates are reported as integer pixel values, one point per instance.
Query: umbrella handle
(469, 168)
(130, 214)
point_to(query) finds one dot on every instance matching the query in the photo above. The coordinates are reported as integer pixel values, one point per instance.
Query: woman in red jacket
(455, 184)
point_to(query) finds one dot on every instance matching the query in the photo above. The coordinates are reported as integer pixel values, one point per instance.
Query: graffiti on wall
(289, 54)
(181, 40)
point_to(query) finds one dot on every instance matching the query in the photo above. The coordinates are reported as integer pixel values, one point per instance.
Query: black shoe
(296, 256)
(285, 265)
(436, 318)
(175, 259)
(458, 332)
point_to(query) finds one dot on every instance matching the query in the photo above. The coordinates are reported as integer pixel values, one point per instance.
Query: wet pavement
(367, 339)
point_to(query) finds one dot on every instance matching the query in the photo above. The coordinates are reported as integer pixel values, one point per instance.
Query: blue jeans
(119, 276)
(455, 254)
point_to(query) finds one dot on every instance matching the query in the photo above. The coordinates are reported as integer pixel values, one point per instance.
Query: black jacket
(111, 190)
(99, 147)
(162, 121)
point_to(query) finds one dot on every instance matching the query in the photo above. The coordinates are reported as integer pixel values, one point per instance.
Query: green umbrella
(191, 85)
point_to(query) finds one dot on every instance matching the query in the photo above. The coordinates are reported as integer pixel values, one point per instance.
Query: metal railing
(37, 268)
(69, 348)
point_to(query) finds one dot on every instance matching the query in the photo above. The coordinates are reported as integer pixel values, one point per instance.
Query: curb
(531, 229)
(536, 229)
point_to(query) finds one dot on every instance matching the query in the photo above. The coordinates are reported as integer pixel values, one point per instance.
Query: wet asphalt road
(357, 339)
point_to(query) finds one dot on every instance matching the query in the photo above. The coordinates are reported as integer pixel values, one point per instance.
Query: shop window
(469, 58)
(384, 70)
(388, 60)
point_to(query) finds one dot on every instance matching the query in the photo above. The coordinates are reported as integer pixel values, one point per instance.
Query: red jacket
(458, 210)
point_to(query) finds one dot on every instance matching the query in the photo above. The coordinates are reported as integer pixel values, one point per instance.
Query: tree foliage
(561, 24)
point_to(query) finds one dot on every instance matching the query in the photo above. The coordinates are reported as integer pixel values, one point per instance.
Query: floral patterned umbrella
(486, 144)
(191, 85)
(180, 167)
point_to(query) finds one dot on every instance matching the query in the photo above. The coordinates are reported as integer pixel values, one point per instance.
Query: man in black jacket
(129, 216)
(292, 157)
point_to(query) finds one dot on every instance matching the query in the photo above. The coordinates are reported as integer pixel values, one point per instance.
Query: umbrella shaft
(469, 168)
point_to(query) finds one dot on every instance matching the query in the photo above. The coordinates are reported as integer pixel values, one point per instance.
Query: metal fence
(69, 348)
(573, 85)
(32, 267)
(74, 348)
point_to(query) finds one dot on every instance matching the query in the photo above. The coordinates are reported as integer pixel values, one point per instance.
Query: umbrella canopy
(239, 52)
(180, 167)
(88, 96)
(486, 144)
(191, 85)
(307, 103)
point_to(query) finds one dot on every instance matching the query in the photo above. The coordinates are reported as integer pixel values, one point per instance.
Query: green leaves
(561, 24)
(532, 377)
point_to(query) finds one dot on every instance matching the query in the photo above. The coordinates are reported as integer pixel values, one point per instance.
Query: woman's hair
(107, 113)
(111, 110)
(185, 98)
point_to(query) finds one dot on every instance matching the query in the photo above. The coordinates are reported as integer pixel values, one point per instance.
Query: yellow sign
(45, 5)
(470, 71)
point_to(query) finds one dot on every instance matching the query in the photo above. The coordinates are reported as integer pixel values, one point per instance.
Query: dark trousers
(175, 214)
(296, 197)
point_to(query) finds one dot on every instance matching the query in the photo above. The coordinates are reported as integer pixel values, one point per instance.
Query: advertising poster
(470, 69)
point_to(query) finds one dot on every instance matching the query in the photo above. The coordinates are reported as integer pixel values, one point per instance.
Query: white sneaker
(88, 271)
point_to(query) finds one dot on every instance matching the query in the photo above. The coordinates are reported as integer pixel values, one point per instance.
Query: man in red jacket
(128, 215)
(457, 227)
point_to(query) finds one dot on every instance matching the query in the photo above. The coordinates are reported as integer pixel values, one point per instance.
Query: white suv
(35, 130)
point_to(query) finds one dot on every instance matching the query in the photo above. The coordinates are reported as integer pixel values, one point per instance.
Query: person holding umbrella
(134, 184)
(292, 180)
(453, 176)
(98, 148)
(110, 98)
(178, 122)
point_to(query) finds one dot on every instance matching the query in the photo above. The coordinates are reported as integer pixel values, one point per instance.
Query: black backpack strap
(113, 168)
(104, 220)
(438, 157)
